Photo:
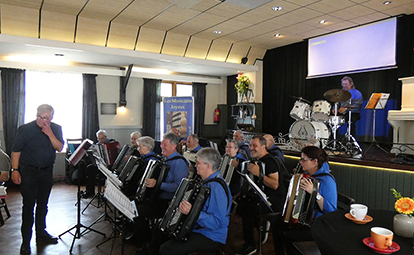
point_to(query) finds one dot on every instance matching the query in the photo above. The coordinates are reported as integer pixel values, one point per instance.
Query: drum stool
(3, 204)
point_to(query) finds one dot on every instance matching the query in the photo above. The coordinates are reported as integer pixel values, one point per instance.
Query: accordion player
(300, 205)
(156, 169)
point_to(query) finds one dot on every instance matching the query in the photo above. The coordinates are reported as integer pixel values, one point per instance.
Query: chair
(3, 204)
(344, 202)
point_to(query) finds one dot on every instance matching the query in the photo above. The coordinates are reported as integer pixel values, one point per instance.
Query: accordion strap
(223, 184)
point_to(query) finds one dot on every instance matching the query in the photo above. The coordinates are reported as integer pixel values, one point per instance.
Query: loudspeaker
(244, 60)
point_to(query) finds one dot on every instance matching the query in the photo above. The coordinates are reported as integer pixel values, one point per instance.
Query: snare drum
(336, 120)
(321, 110)
(303, 131)
(300, 111)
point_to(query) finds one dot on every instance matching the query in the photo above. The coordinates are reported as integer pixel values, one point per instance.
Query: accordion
(300, 205)
(155, 170)
(131, 175)
(121, 160)
(245, 189)
(176, 224)
(226, 168)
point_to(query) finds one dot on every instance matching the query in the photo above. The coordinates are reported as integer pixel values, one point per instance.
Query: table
(337, 235)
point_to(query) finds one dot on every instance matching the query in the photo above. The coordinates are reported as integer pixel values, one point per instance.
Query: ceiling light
(59, 55)
(38, 60)
(277, 8)
(386, 2)
(217, 32)
(322, 21)
(150, 70)
(277, 35)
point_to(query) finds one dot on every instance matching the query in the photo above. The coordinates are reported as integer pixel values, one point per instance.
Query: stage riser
(368, 185)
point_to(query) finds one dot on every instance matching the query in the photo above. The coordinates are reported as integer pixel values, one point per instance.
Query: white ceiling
(176, 34)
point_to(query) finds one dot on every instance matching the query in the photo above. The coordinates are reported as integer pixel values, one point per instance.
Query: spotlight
(244, 60)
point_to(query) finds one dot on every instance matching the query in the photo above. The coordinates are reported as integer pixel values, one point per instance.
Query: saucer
(394, 247)
(364, 221)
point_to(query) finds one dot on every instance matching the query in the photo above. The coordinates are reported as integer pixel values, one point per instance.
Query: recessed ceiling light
(217, 32)
(277, 8)
(322, 21)
(277, 35)
(59, 55)
(386, 2)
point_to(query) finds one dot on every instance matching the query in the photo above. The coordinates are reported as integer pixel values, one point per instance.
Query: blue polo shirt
(178, 171)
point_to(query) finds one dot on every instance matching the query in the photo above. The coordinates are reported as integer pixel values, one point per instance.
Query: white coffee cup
(358, 211)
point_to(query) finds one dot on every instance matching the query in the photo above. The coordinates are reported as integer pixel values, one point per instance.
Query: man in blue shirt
(32, 159)
(210, 231)
(178, 170)
(353, 105)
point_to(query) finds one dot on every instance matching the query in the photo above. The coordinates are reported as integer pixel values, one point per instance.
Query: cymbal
(337, 95)
(301, 99)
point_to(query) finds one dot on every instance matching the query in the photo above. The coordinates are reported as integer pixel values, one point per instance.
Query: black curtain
(90, 114)
(199, 94)
(151, 115)
(13, 97)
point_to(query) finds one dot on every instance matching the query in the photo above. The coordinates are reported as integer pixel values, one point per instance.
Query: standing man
(270, 180)
(353, 105)
(33, 156)
(244, 147)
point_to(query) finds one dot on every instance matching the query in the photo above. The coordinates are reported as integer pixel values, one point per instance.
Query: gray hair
(44, 108)
(211, 156)
(147, 141)
(174, 139)
(101, 131)
(136, 133)
(235, 142)
(194, 136)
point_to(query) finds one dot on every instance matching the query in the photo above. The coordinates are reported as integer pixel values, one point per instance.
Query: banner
(179, 115)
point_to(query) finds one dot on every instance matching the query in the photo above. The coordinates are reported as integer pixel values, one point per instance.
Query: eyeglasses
(305, 159)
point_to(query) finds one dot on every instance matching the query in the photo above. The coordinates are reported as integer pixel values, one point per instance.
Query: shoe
(25, 248)
(265, 231)
(87, 194)
(46, 238)
(246, 250)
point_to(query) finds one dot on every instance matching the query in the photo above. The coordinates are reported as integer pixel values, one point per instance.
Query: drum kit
(314, 123)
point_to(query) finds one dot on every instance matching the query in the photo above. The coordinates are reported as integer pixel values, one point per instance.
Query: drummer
(353, 105)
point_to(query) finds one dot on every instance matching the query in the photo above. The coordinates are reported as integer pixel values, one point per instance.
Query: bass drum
(303, 132)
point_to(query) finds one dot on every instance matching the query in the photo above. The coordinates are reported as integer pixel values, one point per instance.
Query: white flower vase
(404, 225)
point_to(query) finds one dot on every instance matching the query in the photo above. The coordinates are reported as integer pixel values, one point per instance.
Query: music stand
(377, 101)
(74, 159)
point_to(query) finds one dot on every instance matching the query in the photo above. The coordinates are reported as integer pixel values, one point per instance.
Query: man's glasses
(43, 118)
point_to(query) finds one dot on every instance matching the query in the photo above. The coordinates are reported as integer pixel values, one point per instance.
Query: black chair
(307, 248)
(344, 202)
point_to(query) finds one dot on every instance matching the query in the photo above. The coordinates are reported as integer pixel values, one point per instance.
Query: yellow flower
(405, 205)
(242, 85)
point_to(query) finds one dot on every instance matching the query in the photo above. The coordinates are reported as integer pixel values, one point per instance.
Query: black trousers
(196, 242)
(35, 189)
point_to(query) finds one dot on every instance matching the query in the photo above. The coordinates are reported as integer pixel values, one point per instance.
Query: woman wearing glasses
(314, 162)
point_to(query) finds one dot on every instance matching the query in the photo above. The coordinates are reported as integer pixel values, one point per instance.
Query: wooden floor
(62, 216)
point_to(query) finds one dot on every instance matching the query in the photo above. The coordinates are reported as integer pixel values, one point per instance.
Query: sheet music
(120, 201)
(109, 175)
(80, 152)
(382, 101)
(258, 191)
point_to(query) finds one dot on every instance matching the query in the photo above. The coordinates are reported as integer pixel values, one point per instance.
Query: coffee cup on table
(358, 211)
(381, 237)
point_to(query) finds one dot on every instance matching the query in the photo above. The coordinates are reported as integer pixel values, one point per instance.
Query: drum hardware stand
(352, 145)
(78, 234)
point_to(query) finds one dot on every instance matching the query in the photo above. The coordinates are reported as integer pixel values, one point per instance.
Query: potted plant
(242, 87)
(404, 221)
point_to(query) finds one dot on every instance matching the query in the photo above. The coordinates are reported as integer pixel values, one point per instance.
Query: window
(64, 92)
(172, 89)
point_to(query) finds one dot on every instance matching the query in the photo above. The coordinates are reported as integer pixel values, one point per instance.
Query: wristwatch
(14, 169)
(318, 197)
